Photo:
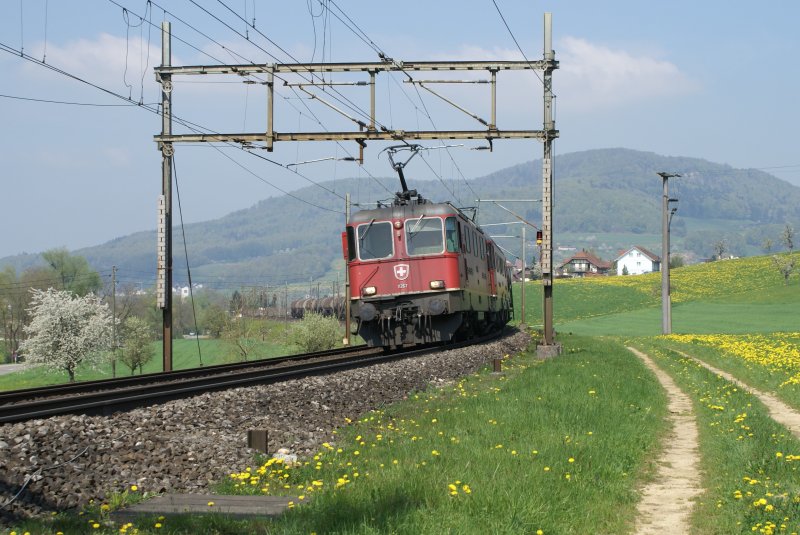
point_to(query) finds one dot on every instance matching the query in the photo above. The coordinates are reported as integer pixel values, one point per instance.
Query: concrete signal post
(666, 219)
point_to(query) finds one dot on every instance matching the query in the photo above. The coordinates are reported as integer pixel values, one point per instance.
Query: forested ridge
(617, 191)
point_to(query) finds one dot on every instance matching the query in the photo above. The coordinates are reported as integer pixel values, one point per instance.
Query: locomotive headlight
(437, 285)
(370, 290)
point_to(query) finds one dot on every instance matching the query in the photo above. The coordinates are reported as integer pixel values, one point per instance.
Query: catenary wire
(46, 101)
(364, 37)
(241, 57)
(187, 124)
(186, 255)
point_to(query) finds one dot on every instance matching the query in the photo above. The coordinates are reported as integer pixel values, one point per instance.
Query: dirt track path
(667, 502)
(778, 410)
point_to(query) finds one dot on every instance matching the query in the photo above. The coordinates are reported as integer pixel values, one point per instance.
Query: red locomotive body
(422, 272)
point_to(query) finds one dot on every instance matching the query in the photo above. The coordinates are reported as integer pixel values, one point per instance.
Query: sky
(716, 80)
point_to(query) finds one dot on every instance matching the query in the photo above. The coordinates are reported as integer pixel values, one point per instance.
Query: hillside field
(563, 445)
(732, 296)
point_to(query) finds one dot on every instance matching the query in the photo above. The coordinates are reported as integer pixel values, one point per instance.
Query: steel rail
(16, 396)
(110, 401)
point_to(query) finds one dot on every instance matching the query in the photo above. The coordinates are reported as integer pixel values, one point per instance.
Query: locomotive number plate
(402, 285)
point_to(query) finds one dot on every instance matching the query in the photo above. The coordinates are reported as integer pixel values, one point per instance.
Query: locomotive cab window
(424, 236)
(451, 235)
(375, 240)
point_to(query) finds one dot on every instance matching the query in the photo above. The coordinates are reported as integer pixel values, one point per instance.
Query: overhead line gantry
(369, 129)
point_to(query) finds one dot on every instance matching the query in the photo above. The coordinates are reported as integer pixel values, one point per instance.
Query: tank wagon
(327, 306)
(423, 272)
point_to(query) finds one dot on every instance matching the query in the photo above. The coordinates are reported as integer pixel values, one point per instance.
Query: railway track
(125, 393)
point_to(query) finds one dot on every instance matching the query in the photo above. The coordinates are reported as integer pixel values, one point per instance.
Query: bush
(315, 332)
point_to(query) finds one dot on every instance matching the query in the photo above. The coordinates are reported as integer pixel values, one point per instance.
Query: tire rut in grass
(667, 502)
(778, 410)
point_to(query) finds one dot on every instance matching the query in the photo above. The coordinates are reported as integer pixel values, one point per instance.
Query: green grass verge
(749, 462)
(558, 446)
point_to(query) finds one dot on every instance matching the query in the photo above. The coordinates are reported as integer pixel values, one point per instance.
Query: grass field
(732, 296)
(508, 453)
(185, 354)
(561, 446)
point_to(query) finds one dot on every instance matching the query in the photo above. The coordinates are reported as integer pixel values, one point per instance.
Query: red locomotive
(423, 272)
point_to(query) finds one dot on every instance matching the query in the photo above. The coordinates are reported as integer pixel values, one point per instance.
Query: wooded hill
(605, 200)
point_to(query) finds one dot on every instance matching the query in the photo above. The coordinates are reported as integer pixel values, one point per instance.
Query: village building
(584, 264)
(637, 260)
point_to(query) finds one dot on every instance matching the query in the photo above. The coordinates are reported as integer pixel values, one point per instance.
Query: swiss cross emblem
(401, 272)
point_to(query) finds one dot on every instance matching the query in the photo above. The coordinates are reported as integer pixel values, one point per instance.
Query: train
(327, 306)
(422, 272)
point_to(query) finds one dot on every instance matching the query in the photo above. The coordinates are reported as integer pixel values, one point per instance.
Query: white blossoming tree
(66, 330)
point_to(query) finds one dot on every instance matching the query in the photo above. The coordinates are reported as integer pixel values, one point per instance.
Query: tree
(720, 247)
(137, 348)
(13, 305)
(676, 261)
(787, 237)
(241, 336)
(72, 272)
(315, 332)
(236, 302)
(786, 263)
(66, 330)
(214, 320)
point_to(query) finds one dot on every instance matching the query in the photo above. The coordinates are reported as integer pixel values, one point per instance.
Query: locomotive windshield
(424, 236)
(375, 240)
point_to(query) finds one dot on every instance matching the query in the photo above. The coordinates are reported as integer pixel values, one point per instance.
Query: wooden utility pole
(114, 321)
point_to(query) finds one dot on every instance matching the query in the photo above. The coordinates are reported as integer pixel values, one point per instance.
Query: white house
(637, 260)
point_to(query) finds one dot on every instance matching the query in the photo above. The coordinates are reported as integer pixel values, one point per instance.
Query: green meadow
(560, 446)
(733, 296)
(186, 353)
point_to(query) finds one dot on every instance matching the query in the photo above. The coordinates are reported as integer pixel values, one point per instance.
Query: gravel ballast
(186, 445)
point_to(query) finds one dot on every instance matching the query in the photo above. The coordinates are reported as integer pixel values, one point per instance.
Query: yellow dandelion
(134, 488)
(211, 504)
(157, 525)
(571, 460)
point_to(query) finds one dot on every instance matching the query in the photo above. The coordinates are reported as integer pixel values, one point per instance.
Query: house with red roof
(584, 264)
